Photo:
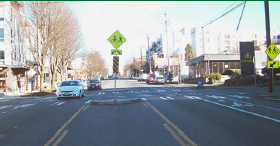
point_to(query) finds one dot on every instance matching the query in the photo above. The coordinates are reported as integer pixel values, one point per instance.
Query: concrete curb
(115, 90)
(114, 101)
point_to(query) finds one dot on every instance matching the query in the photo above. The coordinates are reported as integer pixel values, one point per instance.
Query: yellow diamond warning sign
(116, 39)
(272, 51)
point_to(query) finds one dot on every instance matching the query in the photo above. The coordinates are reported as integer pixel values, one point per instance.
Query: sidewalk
(20, 96)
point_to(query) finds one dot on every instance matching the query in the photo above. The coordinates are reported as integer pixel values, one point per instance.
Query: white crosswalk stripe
(163, 98)
(169, 97)
(239, 96)
(192, 97)
(216, 97)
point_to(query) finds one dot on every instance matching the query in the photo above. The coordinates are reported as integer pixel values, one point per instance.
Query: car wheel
(83, 94)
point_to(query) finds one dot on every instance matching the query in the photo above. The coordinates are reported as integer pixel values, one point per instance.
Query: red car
(150, 79)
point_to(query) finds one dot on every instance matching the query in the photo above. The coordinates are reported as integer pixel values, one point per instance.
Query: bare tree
(95, 65)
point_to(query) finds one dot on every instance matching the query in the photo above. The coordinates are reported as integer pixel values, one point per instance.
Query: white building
(13, 48)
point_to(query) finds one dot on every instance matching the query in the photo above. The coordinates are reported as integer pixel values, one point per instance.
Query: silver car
(159, 80)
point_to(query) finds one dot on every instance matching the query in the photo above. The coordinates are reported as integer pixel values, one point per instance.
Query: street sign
(116, 52)
(116, 39)
(116, 64)
(272, 51)
(272, 64)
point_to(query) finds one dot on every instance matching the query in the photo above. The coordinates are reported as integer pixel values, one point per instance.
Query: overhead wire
(232, 9)
(240, 17)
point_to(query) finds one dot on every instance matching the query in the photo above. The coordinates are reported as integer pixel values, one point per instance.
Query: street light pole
(167, 46)
(149, 53)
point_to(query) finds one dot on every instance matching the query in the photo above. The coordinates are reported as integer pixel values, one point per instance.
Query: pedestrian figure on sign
(275, 51)
(269, 50)
(120, 39)
(114, 39)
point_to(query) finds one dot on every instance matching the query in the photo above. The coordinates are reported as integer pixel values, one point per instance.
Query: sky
(137, 20)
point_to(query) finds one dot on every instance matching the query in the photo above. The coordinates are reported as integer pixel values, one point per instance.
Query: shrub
(218, 76)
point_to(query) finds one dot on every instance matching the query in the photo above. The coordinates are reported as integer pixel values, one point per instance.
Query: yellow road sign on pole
(116, 39)
(116, 52)
(116, 64)
(272, 51)
(272, 64)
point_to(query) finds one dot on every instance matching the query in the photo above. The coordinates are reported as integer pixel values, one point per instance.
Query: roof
(214, 57)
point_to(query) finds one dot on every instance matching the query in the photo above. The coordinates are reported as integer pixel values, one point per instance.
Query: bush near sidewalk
(38, 93)
(213, 77)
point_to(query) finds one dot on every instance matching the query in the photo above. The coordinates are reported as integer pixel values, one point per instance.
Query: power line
(235, 7)
(221, 12)
(240, 17)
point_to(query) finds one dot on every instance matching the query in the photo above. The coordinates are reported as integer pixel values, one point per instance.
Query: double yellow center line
(179, 133)
(61, 130)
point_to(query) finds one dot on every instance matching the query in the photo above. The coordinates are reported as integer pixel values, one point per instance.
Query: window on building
(1, 34)
(237, 65)
(1, 18)
(232, 65)
(227, 36)
(255, 42)
(227, 43)
(2, 55)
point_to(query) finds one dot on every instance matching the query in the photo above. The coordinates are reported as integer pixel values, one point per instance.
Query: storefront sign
(246, 58)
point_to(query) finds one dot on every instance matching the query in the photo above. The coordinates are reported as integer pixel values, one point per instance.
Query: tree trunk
(42, 79)
(53, 79)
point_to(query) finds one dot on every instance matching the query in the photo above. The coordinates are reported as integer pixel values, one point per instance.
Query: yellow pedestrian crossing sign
(116, 52)
(116, 39)
(272, 51)
(272, 64)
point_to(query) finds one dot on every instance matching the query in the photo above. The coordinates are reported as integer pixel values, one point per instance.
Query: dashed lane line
(163, 98)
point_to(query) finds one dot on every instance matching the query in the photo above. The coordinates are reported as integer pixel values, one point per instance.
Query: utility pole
(268, 42)
(149, 53)
(167, 47)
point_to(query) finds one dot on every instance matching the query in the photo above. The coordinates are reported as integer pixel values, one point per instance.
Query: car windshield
(70, 83)
(94, 81)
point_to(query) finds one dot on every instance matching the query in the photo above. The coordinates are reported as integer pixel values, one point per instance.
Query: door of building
(221, 67)
(215, 67)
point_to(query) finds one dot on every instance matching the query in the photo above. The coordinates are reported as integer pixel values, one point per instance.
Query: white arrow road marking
(23, 106)
(169, 97)
(99, 93)
(163, 98)
(88, 102)
(239, 96)
(103, 92)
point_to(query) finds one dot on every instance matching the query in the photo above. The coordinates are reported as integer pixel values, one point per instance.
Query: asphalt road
(167, 116)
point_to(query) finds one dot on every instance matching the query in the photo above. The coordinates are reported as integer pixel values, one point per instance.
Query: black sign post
(246, 58)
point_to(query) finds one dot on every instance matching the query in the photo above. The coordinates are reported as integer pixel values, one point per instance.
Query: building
(13, 50)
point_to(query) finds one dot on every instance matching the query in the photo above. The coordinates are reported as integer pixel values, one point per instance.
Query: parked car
(159, 80)
(94, 84)
(150, 79)
(70, 89)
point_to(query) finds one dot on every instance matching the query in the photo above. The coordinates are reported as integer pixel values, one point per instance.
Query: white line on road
(255, 104)
(244, 111)
(60, 103)
(23, 106)
(163, 98)
(3, 107)
(238, 96)
(192, 97)
(103, 93)
(99, 93)
(214, 96)
(169, 97)
(88, 102)
(144, 99)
